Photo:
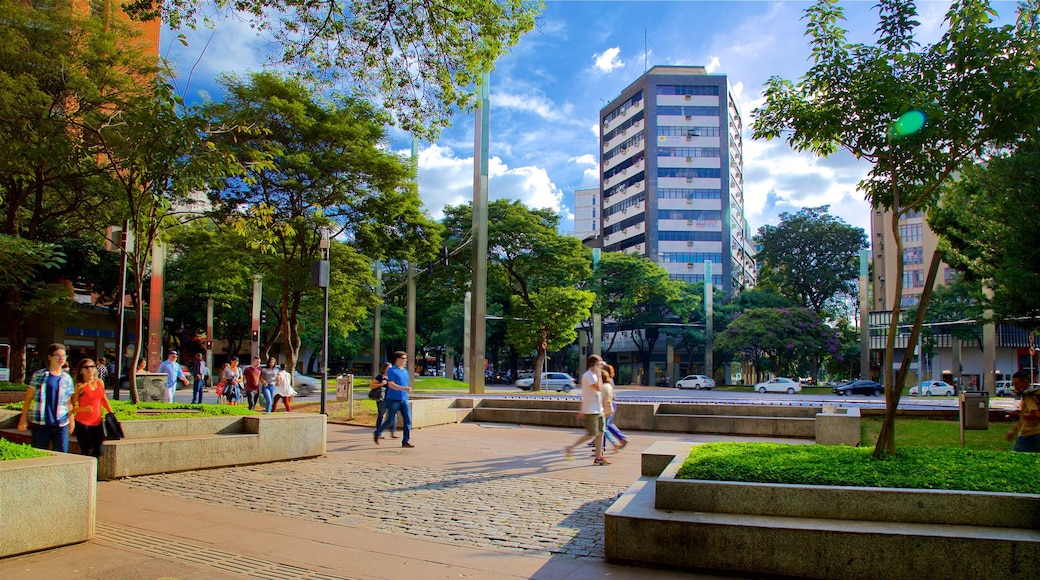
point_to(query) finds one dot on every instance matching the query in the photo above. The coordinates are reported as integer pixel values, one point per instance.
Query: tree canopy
(422, 60)
(787, 340)
(810, 257)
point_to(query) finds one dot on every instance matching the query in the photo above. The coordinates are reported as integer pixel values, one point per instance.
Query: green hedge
(9, 450)
(126, 411)
(9, 386)
(911, 468)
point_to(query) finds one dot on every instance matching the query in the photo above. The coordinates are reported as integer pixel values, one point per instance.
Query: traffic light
(209, 345)
(263, 316)
(256, 335)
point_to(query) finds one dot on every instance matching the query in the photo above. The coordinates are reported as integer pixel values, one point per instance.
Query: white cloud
(446, 179)
(586, 159)
(607, 60)
(712, 65)
(531, 103)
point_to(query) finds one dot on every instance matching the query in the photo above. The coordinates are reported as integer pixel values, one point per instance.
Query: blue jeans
(1027, 444)
(268, 397)
(45, 435)
(392, 408)
(196, 394)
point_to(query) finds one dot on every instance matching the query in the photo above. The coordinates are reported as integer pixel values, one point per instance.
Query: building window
(913, 256)
(691, 172)
(716, 279)
(913, 278)
(687, 111)
(949, 274)
(623, 107)
(690, 214)
(912, 300)
(690, 257)
(687, 90)
(687, 193)
(686, 131)
(689, 236)
(910, 214)
(635, 201)
(687, 151)
(911, 232)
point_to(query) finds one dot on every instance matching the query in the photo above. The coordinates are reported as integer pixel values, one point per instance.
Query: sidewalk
(470, 501)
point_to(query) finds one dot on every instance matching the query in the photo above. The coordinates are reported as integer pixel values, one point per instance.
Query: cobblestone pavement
(480, 510)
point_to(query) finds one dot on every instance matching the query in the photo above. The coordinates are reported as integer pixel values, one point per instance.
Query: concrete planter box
(46, 502)
(11, 397)
(820, 531)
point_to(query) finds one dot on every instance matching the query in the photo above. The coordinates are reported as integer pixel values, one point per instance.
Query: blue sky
(546, 95)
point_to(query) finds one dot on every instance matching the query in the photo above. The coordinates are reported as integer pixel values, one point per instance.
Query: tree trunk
(886, 443)
(539, 362)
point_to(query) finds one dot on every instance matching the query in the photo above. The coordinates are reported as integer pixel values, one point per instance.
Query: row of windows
(687, 151)
(638, 177)
(690, 257)
(911, 214)
(696, 278)
(689, 236)
(624, 224)
(690, 214)
(623, 107)
(687, 90)
(678, 131)
(913, 256)
(687, 193)
(630, 202)
(623, 127)
(625, 244)
(911, 232)
(623, 165)
(633, 141)
(689, 172)
(687, 111)
(912, 300)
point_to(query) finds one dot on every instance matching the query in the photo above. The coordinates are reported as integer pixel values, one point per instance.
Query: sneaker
(376, 437)
(409, 445)
(623, 443)
(600, 461)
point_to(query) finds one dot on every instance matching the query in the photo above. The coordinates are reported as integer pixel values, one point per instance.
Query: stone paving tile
(527, 513)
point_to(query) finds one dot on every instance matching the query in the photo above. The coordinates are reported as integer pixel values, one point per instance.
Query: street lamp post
(320, 278)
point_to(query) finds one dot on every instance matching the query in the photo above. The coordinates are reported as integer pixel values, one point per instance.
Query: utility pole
(478, 288)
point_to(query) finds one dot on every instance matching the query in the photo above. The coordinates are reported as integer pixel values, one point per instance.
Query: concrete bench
(819, 531)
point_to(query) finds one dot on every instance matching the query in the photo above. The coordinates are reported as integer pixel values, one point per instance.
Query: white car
(697, 382)
(779, 385)
(550, 382)
(306, 385)
(929, 388)
(1004, 389)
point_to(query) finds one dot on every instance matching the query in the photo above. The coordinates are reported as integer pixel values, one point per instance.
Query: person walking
(283, 390)
(251, 378)
(611, 433)
(198, 377)
(591, 411)
(232, 376)
(397, 399)
(1026, 431)
(49, 398)
(172, 369)
(90, 395)
(378, 384)
(268, 382)
(102, 370)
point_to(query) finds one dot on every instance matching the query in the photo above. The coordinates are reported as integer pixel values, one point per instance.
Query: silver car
(695, 382)
(550, 382)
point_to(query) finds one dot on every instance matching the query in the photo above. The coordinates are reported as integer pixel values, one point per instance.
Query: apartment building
(671, 176)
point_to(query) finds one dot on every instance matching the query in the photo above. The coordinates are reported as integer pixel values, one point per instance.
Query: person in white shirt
(591, 410)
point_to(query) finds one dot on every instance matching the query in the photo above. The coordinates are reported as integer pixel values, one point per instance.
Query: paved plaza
(470, 501)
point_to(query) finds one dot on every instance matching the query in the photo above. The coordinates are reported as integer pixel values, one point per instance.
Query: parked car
(779, 385)
(1004, 389)
(550, 382)
(929, 388)
(860, 387)
(697, 382)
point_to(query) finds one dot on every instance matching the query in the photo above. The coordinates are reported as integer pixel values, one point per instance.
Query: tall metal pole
(478, 321)
(156, 305)
(124, 248)
(864, 316)
(209, 335)
(254, 324)
(709, 324)
(377, 313)
(324, 279)
(597, 318)
(410, 339)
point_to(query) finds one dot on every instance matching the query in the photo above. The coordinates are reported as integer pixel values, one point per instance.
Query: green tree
(810, 257)
(63, 76)
(917, 113)
(987, 231)
(315, 166)
(537, 268)
(784, 339)
(422, 60)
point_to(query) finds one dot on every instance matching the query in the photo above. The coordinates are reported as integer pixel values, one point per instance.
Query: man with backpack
(1026, 431)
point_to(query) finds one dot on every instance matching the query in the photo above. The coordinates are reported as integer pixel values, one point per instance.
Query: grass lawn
(923, 432)
(949, 468)
(9, 450)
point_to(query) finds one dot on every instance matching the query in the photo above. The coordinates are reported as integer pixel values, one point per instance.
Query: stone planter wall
(46, 502)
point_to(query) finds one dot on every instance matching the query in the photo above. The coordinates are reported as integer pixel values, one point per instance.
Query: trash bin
(975, 410)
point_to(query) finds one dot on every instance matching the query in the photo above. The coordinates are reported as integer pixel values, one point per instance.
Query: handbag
(113, 430)
(374, 393)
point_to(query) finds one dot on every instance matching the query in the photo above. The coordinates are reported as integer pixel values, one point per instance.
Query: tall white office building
(671, 176)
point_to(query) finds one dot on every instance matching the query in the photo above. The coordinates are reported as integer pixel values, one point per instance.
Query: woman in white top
(283, 389)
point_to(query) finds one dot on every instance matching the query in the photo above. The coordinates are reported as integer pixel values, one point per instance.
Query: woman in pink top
(91, 394)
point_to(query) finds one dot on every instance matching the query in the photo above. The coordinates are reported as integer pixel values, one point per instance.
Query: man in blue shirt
(397, 380)
(173, 374)
(49, 399)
